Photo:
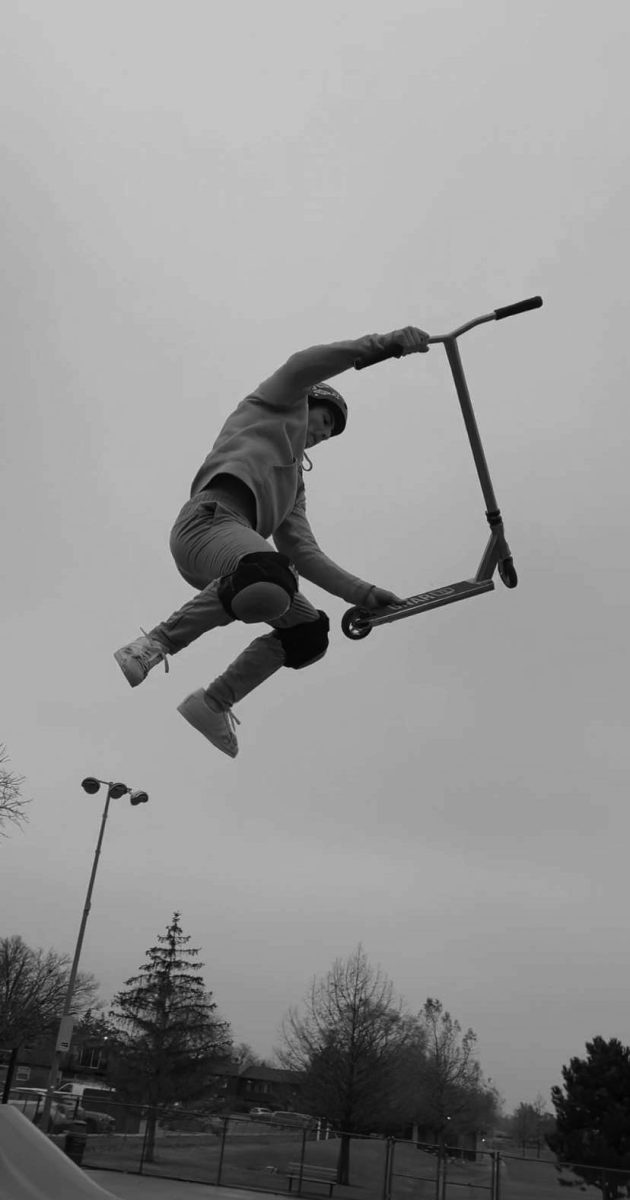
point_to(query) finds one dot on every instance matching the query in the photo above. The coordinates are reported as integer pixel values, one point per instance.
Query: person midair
(250, 488)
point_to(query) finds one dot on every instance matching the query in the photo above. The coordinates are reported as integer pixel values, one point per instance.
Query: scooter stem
(453, 355)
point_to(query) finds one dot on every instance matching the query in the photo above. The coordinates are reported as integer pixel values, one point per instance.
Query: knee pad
(306, 643)
(260, 589)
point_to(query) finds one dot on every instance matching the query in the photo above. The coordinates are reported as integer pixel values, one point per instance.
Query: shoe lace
(148, 654)
(232, 719)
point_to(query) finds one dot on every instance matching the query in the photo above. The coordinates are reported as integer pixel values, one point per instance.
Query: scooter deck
(434, 599)
(357, 622)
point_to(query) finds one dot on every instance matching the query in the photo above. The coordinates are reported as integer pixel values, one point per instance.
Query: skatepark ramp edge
(33, 1168)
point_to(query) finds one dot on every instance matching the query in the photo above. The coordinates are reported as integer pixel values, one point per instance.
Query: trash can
(76, 1141)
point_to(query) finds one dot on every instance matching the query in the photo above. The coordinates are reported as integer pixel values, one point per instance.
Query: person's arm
(296, 539)
(302, 370)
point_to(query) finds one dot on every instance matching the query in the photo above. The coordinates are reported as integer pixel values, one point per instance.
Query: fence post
(11, 1069)
(222, 1150)
(438, 1173)
(302, 1154)
(144, 1140)
(444, 1175)
(497, 1193)
(389, 1168)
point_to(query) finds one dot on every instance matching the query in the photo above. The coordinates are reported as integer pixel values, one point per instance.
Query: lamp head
(90, 785)
(117, 790)
(138, 798)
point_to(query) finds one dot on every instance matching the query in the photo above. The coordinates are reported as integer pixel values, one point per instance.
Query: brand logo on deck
(423, 597)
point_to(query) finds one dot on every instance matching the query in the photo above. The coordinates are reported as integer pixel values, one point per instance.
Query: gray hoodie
(262, 443)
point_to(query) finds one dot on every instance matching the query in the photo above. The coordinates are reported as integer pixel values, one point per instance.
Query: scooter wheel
(355, 623)
(507, 571)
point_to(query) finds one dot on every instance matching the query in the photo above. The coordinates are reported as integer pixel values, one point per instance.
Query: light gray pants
(207, 542)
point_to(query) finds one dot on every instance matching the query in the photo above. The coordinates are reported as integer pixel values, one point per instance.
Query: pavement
(148, 1187)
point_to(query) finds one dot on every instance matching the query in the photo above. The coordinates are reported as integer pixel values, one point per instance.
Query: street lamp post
(64, 1034)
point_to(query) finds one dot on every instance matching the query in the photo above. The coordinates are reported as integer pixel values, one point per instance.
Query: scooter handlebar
(510, 310)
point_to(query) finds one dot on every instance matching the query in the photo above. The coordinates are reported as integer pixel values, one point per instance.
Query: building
(240, 1088)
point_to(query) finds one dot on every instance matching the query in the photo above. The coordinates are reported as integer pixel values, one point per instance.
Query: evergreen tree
(170, 1034)
(593, 1116)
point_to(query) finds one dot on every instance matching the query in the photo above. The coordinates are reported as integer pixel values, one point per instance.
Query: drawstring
(307, 459)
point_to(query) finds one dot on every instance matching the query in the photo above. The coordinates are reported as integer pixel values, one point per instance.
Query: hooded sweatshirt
(262, 443)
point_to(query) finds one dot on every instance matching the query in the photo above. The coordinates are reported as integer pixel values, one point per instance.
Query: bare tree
(12, 803)
(527, 1124)
(451, 1089)
(33, 985)
(348, 1042)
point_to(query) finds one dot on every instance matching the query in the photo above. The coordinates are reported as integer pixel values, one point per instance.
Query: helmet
(322, 393)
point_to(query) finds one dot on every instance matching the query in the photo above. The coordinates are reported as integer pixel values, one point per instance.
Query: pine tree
(170, 1034)
(593, 1116)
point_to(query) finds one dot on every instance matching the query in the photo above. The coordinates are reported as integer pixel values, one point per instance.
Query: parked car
(293, 1120)
(260, 1114)
(96, 1122)
(31, 1101)
(83, 1098)
(77, 1087)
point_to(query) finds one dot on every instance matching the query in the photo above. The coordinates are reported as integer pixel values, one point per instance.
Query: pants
(207, 542)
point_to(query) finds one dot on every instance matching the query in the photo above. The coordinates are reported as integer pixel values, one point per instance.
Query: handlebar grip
(396, 351)
(511, 310)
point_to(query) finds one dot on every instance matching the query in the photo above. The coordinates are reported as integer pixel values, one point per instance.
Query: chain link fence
(429, 1172)
(423, 1172)
(261, 1154)
(301, 1158)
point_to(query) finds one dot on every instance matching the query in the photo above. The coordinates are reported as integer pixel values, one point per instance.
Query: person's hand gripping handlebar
(398, 344)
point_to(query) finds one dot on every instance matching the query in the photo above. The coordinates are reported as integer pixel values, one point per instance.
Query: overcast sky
(191, 192)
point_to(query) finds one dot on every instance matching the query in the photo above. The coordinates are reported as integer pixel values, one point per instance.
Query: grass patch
(260, 1162)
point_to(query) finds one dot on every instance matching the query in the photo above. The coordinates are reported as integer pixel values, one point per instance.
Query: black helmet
(323, 393)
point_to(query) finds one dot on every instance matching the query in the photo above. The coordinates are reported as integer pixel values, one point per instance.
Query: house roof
(272, 1075)
(260, 1073)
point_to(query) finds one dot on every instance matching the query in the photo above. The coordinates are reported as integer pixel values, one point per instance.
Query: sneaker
(216, 724)
(136, 659)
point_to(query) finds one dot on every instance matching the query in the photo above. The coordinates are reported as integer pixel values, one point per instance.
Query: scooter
(358, 622)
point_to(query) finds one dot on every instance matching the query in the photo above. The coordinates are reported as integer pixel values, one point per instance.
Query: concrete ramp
(32, 1168)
